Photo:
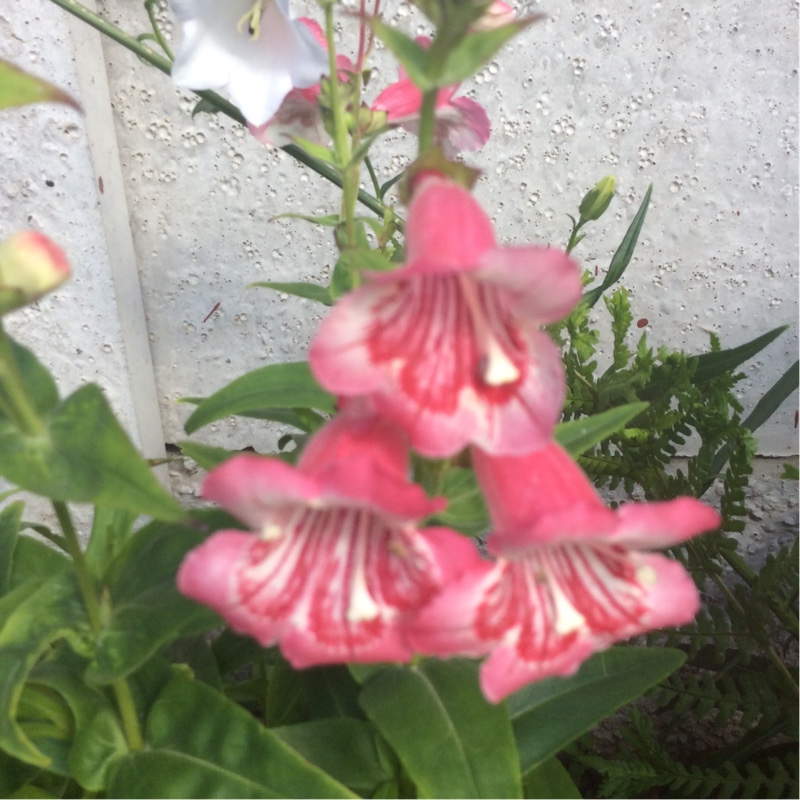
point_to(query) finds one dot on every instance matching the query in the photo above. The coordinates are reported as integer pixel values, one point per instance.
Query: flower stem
(222, 105)
(427, 120)
(341, 137)
(122, 692)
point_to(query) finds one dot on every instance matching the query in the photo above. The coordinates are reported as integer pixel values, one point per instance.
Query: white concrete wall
(699, 99)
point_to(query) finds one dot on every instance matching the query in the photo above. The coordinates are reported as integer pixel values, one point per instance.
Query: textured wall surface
(699, 99)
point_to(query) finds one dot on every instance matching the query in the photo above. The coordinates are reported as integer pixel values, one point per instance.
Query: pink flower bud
(31, 265)
(497, 15)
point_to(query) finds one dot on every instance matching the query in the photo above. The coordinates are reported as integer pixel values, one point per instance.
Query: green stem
(222, 105)
(373, 177)
(427, 120)
(84, 578)
(341, 137)
(574, 236)
(162, 42)
(14, 400)
(127, 712)
(122, 692)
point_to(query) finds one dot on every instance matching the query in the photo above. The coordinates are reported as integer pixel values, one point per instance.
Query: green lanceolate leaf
(475, 49)
(551, 713)
(413, 57)
(282, 386)
(32, 617)
(550, 779)
(622, 257)
(111, 529)
(765, 408)
(34, 560)
(18, 88)
(347, 749)
(84, 456)
(710, 365)
(97, 739)
(578, 435)
(784, 387)
(466, 509)
(310, 291)
(200, 744)
(450, 740)
(39, 384)
(143, 608)
(206, 455)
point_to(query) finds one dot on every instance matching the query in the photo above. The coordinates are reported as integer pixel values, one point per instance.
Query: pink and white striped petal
(440, 356)
(436, 344)
(544, 613)
(329, 585)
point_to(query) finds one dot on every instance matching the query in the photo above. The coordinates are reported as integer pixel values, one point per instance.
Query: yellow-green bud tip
(597, 200)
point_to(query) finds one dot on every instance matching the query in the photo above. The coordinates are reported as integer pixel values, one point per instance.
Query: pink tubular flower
(449, 345)
(571, 576)
(460, 123)
(336, 564)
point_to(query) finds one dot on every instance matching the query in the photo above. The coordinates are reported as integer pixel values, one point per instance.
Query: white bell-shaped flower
(257, 65)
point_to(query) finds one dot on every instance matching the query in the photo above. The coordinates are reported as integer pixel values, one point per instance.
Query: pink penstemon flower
(570, 576)
(449, 345)
(334, 564)
(459, 123)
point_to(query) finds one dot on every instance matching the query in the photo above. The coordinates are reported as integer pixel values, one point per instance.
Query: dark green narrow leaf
(709, 365)
(200, 744)
(578, 435)
(550, 714)
(10, 518)
(450, 740)
(283, 386)
(622, 257)
(309, 291)
(765, 408)
(786, 385)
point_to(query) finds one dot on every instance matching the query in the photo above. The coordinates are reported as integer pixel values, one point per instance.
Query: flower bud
(496, 15)
(597, 200)
(31, 265)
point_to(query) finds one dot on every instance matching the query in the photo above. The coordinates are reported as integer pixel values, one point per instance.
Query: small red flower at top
(571, 576)
(336, 564)
(449, 345)
(460, 123)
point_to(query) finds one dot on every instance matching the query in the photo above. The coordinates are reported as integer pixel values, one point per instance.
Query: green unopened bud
(597, 200)
(30, 266)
